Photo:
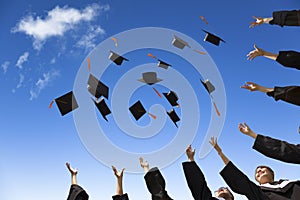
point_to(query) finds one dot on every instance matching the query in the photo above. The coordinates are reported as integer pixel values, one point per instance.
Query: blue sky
(44, 47)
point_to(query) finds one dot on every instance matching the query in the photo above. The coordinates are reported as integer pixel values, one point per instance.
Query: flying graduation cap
(212, 38)
(116, 58)
(138, 110)
(172, 97)
(210, 88)
(150, 78)
(97, 88)
(173, 116)
(102, 107)
(161, 63)
(65, 103)
(179, 43)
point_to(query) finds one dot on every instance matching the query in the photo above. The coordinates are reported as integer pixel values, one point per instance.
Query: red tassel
(50, 106)
(157, 93)
(153, 116)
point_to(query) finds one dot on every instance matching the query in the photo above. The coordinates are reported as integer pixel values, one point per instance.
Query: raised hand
(190, 153)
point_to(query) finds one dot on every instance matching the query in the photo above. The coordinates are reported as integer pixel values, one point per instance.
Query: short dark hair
(269, 168)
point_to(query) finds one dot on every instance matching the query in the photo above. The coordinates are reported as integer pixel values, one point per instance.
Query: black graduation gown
(156, 184)
(120, 197)
(286, 18)
(290, 94)
(241, 184)
(277, 149)
(77, 193)
(289, 59)
(196, 182)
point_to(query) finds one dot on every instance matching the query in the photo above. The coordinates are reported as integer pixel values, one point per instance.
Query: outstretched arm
(251, 86)
(244, 128)
(259, 21)
(73, 174)
(119, 175)
(144, 165)
(260, 52)
(194, 177)
(214, 143)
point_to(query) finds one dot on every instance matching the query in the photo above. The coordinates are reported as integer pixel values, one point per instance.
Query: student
(289, 94)
(268, 189)
(155, 182)
(119, 189)
(196, 180)
(273, 148)
(76, 192)
(280, 18)
(285, 58)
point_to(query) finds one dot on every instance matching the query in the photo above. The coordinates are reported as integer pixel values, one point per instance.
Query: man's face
(263, 175)
(223, 192)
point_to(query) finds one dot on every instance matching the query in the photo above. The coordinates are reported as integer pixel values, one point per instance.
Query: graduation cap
(172, 98)
(150, 78)
(161, 63)
(66, 103)
(116, 58)
(97, 88)
(210, 88)
(137, 110)
(179, 43)
(212, 38)
(102, 107)
(173, 116)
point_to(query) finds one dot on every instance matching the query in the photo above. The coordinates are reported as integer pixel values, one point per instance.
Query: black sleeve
(277, 149)
(290, 94)
(77, 192)
(286, 18)
(289, 59)
(241, 184)
(196, 181)
(120, 197)
(156, 184)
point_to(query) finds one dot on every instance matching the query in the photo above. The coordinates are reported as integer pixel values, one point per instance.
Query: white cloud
(21, 80)
(23, 58)
(5, 66)
(42, 83)
(88, 40)
(56, 23)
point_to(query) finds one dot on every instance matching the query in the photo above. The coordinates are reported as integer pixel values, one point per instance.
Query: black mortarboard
(179, 43)
(172, 98)
(163, 64)
(103, 108)
(208, 86)
(150, 78)
(116, 58)
(137, 110)
(66, 103)
(173, 116)
(97, 88)
(212, 38)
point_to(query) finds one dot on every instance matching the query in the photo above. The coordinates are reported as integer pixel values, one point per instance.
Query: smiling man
(268, 189)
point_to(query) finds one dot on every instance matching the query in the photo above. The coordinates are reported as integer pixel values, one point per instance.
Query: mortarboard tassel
(203, 19)
(217, 111)
(200, 52)
(151, 55)
(89, 63)
(153, 116)
(215, 106)
(115, 40)
(50, 106)
(157, 92)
